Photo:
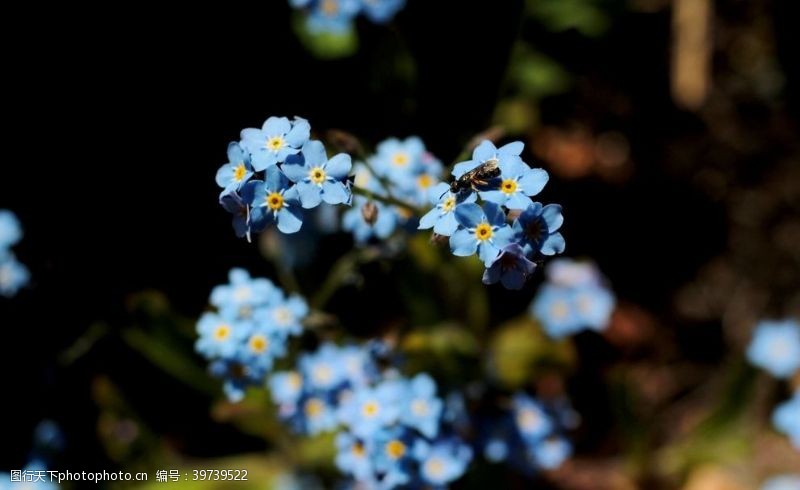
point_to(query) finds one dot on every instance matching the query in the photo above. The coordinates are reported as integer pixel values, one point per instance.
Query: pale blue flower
(13, 275)
(274, 200)
(277, 139)
(482, 230)
(786, 418)
(234, 174)
(776, 347)
(550, 453)
(422, 408)
(10, 230)
(517, 182)
(442, 217)
(318, 179)
(782, 482)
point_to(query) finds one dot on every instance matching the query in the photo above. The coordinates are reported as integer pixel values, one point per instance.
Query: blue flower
(285, 318)
(517, 182)
(317, 178)
(286, 387)
(234, 174)
(573, 299)
(371, 409)
(273, 200)
(537, 229)
(244, 292)
(530, 418)
(423, 408)
(443, 462)
(399, 160)
(10, 230)
(13, 275)
(485, 152)
(572, 273)
(219, 336)
(277, 139)
(786, 419)
(382, 11)
(332, 16)
(511, 268)
(233, 204)
(261, 347)
(496, 450)
(354, 457)
(551, 452)
(776, 347)
(782, 482)
(384, 222)
(393, 455)
(318, 415)
(442, 217)
(484, 230)
(322, 369)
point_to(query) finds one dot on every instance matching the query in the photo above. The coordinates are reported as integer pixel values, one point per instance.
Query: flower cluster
(13, 275)
(775, 347)
(248, 331)
(392, 431)
(510, 232)
(530, 436)
(336, 16)
(399, 169)
(573, 299)
(275, 173)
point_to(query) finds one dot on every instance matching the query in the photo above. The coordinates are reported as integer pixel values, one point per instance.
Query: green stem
(393, 201)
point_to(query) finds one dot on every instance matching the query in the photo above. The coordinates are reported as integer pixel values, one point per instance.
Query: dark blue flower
(537, 229)
(511, 268)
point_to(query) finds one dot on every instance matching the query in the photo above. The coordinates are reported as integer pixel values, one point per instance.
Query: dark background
(114, 128)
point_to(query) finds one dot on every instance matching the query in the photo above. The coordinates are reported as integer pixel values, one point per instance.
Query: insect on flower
(478, 179)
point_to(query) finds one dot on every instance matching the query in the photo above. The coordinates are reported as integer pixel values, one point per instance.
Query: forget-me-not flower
(423, 409)
(443, 461)
(511, 268)
(277, 139)
(442, 217)
(10, 230)
(786, 419)
(481, 229)
(234, 174)
(536, 228)
(382, 11)
(776, 347)
(13, 275)
(318, 179)
(517, 182)
(274, 200)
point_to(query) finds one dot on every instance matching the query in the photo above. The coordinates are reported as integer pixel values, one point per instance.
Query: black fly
(478, 179)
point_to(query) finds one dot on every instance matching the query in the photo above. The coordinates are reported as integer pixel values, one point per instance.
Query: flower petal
(276, 126)
(294, 171)
(299, 134)
(339, 166)
(553, 244)
(513, 148)
(447, 225)
(553, 217)
(462, 243)
(289, 220)
(310, 195)
(314, 153)
(484, 151)
(533, 181)
(334, 192)
(469, 214)
(429, 219)
(518, 200)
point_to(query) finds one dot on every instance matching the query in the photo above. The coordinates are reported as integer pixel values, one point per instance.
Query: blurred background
(669, 129)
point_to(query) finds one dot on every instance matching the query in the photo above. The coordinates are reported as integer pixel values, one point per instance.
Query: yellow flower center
(239, 172)
(424, 181)
(274, 201)
(322, 373)
(483, 232)
(283, 316)
(419, 408)
(559, 310)
(395, 449)
(317, 175)
(222, 332)
(258, 343)
(449, 204)
(314, 407)
(528, 419)
(330, 7)
(434, 467)
(362, 178)
(295, 380)
(370, 409)
(358, 449)
(400, 159)
(509, 186)
(275, 143)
